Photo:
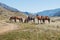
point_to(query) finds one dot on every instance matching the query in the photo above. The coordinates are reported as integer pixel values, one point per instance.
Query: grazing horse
(29, 19)
(43, 18)
(16, 18)
(39, 18)
(46, 18)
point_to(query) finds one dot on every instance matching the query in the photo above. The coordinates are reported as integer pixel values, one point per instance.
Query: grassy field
(33, 31)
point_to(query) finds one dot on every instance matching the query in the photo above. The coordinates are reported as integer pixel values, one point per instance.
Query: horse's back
(39, 17)
(46, 17)
(12, 17)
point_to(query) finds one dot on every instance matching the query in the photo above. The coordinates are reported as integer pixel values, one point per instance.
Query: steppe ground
(30, 31)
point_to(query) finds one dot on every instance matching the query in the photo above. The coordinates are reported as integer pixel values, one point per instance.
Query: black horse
(29, 18)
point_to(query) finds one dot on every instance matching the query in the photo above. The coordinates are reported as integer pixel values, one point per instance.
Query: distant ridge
(52, 12)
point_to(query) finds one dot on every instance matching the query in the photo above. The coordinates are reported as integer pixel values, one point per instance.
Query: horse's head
(11, 18)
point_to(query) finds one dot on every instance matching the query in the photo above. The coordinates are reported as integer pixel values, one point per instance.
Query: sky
(32, 6)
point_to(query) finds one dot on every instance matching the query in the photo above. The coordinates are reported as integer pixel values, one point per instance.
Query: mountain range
(52, 12)
(7, 10)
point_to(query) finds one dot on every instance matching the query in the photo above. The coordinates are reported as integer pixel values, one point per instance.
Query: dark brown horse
(46, 18)
(43, 18)
(16, 18)
(29, 19)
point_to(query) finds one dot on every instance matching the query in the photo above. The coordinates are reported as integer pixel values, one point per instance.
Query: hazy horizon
(32, 6)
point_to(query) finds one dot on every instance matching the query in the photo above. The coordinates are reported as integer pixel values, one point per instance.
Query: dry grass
(31, 31)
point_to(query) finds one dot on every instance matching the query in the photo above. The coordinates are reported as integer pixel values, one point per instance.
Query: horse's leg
(49, 20)
(25, 21)
(38, 21)
(20, 20)
(15, 20)
(43, 20)
(28, 20)
(34, 20)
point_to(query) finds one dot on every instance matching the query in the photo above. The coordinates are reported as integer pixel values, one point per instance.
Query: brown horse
(29, 19)
(16, 18)
(46, 18)
(39, 18)
(43, 18)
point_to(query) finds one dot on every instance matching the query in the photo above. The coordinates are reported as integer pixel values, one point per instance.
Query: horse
(16, 18)
(43, 18)
(39, 18)
(29, 19)
(46, 18)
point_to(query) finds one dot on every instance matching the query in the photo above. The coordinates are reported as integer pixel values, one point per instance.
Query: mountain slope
(8, 7)
(6, 11)
(52, 12)
(57, 14)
